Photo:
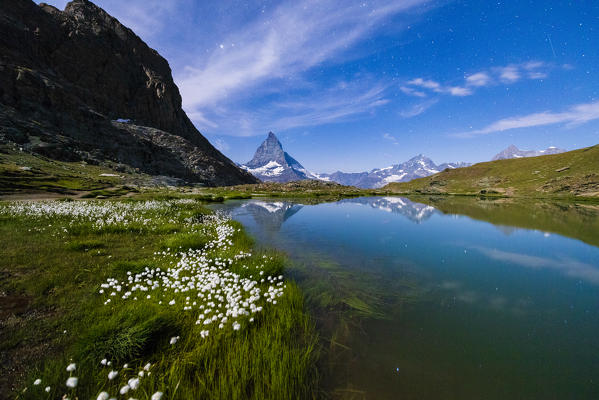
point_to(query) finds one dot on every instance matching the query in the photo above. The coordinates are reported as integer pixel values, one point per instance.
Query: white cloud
(293, 38)
(569, 267)
(459, 91)
(421, 87)
(341, 102)
(427, 84)
(434, 86)
(509, 74)
(411, 91)
(537, 75)
(478, 79)
(575, 115)
(220, 144)
(391, 138)
(418, 109)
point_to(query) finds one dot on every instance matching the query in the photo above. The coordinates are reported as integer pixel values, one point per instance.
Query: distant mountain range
(514, 152)
(271, 215)
(416, 167)
(415, 212)
(272, 164)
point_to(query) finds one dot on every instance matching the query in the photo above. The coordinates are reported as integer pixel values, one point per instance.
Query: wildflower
(72, 382)
(133, 383)
(103, 396)
(112, 375)
(71, 367)
(37, 382)
(236, 326)
(157, 396)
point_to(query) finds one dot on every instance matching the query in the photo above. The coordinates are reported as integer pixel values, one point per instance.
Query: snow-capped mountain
(417, 167)
(272, 164)
(271, 215)
(514, 152)
(415, 212)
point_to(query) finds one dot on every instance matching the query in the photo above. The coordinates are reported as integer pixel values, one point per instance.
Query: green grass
(566, 175)
(25, 172)
(567, 218)
(56, 315)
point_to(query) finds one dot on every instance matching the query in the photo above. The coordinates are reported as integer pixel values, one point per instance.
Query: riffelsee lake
(444, 298)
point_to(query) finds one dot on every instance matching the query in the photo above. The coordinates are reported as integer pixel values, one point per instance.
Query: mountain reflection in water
(440, 297)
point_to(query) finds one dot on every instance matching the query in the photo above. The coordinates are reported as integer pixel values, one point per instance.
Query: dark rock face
(66, 75)
(272, 164)
(270, 150)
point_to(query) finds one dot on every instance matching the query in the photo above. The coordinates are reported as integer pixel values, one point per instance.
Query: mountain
(77, 85)
(514, 152)
(416, 167)
(271, 215)
(272, 164)
(569, 174)
(415, 212)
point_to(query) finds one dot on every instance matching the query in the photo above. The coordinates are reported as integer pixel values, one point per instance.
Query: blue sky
(356, 85)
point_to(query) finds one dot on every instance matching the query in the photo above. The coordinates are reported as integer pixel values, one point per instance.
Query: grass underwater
(146, 299)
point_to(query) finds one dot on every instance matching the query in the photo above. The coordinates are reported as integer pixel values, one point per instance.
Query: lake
(452, 298)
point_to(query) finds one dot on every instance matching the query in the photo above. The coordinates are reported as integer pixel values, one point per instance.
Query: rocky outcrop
(66, 76)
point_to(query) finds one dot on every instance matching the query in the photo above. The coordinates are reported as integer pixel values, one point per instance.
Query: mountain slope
(514, 152)
(272, 164)
(68, 76)
(574, 173)
(416, 167)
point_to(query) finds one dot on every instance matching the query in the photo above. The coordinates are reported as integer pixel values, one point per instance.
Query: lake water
(444, 298)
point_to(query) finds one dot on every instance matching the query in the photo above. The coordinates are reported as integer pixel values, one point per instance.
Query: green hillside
(571, 174)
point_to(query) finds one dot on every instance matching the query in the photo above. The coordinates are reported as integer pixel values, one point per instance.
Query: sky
(357, 85)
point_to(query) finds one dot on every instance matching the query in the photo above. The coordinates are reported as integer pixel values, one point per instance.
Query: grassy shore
(160, 294)
(570, 175)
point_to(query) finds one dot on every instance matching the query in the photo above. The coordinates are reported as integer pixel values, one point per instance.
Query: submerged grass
(59, 270)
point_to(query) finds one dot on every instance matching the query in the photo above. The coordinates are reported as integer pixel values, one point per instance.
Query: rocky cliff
(78, 85)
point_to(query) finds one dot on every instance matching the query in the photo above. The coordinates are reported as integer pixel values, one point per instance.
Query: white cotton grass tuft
(196, 281)
(47, 389)
(72, 382)
(157, 396)
(103, 396)
(37, 381)
(133, 383)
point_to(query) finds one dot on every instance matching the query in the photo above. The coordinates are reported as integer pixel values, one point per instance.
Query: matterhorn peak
(272, 163)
